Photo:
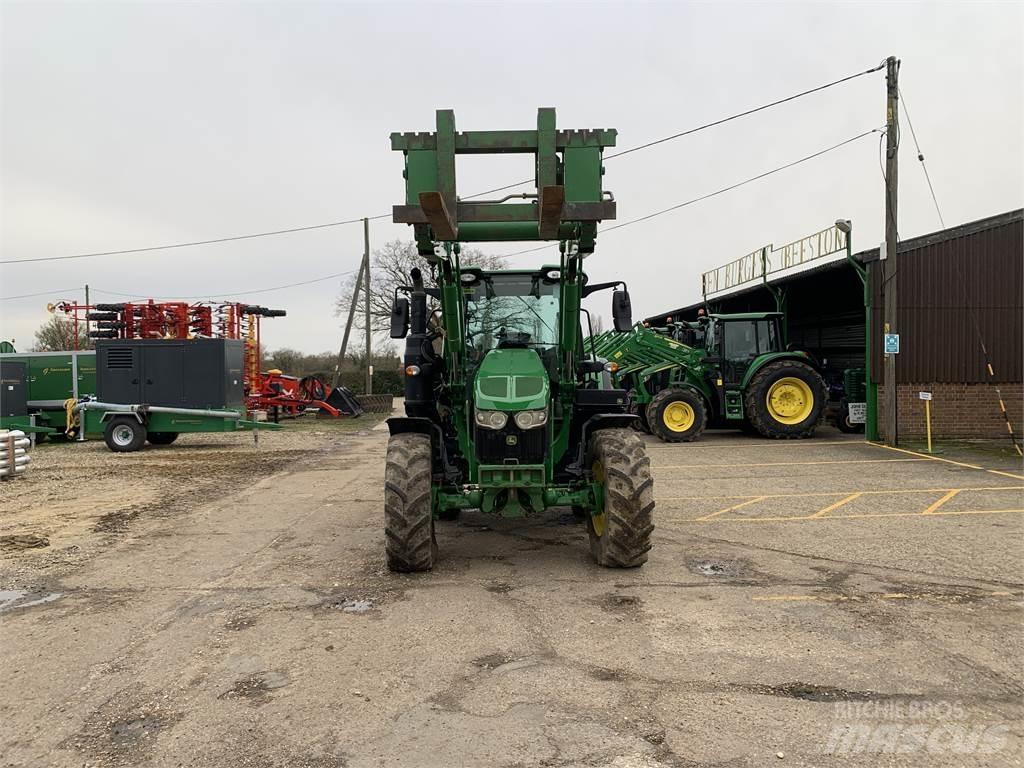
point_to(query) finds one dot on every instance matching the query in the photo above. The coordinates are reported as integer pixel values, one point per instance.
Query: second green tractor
(721, 371)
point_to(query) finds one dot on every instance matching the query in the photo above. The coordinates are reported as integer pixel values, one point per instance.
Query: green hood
(511, 380)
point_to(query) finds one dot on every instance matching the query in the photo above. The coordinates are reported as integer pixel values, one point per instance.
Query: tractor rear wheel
(677, 415)
(408, 517)
(785, 399)
(620, 531)
(161, 438)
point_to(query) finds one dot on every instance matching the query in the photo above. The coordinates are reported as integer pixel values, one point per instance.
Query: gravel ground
(813, 603)
(74, 495)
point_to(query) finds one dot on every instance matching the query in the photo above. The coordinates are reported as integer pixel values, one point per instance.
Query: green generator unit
(152, 390)
(53, 378)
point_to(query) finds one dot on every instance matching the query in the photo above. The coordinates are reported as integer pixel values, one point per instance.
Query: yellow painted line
(759, 444)
(862, 598)
(834, 517)
(948, 461)
(784, 464)
(931, 510)
(730, 509)
(840, 493)
(837, 505)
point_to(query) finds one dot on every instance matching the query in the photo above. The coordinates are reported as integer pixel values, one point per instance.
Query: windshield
(510, 311)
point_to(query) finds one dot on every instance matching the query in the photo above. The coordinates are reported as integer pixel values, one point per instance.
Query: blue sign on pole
(892, 343)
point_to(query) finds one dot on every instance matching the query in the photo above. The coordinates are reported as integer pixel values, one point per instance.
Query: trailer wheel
(124, 434)
(408, 517)
(162, 438)
(785, 400)
(620, 532)
(677, 415)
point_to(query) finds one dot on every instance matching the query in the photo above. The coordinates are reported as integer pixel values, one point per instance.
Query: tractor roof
(747, 316)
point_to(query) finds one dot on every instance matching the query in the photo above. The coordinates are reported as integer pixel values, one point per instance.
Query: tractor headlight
(530, 419)
(492, 419)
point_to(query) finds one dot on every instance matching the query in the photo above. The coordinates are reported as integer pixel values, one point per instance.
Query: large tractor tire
(408, 518)
(677, 415)
(620, 532)
(785, 400)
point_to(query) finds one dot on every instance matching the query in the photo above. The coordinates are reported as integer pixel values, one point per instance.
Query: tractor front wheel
(620, 530)
(785, 399)
(408, 517)
(677, 415)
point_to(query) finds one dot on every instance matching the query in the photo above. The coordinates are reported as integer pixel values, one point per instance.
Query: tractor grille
(492, 447)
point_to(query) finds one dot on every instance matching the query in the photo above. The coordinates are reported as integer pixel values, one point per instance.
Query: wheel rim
(123, 435)
(790, 400)
(597, 519)
(678, 416)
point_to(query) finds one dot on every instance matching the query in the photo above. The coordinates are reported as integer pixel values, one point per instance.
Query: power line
(920, 156)
(41, 293)
(195, 242)
(291, 230)
(231, 292)
(716, 192)
(705, 126)
(747, 112)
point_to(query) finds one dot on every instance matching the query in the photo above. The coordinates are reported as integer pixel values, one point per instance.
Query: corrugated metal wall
(979, 265)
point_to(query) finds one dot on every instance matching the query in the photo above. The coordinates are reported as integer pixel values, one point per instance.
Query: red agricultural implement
(272, 391)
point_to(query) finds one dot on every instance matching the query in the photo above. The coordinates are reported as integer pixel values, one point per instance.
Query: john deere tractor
(725, 370)
(504, 411)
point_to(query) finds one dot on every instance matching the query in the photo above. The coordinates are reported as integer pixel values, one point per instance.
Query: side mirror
(622, 311)
(399, 318)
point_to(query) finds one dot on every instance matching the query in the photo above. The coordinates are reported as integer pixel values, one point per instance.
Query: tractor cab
(737, 340)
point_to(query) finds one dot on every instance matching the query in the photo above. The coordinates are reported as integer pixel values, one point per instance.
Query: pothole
(12, 599)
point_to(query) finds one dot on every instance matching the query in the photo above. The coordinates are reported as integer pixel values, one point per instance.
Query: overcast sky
(127, 125)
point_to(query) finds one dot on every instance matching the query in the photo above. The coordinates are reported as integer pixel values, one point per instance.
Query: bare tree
(389, 268)
(58, 334)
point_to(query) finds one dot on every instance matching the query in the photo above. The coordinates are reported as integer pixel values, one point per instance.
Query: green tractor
(722, 371)
(504, 411)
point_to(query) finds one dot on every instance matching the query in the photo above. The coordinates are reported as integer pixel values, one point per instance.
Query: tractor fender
(601, 421)
(697, 391)
(400, 425)
(764, 360)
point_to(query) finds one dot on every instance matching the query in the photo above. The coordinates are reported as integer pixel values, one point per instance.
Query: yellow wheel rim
(598, 520)
(790, 400)
(678, 416)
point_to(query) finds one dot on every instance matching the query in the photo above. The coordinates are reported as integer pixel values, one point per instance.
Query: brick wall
(958, 410)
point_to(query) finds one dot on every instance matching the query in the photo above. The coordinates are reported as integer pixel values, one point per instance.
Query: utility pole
(890, 270)
(348, 326)
(87, 329)
(366, 291)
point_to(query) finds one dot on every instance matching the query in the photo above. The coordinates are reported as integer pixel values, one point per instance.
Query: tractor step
(733, 404)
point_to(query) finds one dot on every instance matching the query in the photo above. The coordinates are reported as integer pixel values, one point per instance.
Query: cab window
(740, 340)
(766, 340)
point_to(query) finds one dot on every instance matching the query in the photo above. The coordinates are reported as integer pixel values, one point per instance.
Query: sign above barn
(769, 260)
